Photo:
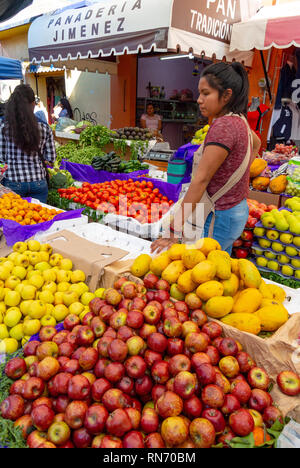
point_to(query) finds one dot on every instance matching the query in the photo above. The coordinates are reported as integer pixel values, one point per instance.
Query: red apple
(100, 367)
(103, 345)
(65, 349)
(75, 414)
(143, 385)
(213, 396)
(71, 366)
(185, 384)
(30, 348)
(98, 327)
(95, 418)
(149, 421)
(200, 358)
(135, 319)
(169, 404)
(36, 438)
(258, 378)
(245, 362)
(241, 390)
(24, 423)
(228, 347)
(78, 387)
(160, 372)
(134, 416)
(113, 399)
(172, 327)
(81, 438)
(118, 423)
(161, 296)
(157, 391)
(152, 314)
(150, 280)
(202, 433)
(118, 319)
(151, 357)
(212, 329)
(259, 400)
(192, 407)
(12, 407)
(61, 337)
(47, 333)
(114, 372)
(216, 418)
(60, 403)
(117, 350)
(15, 368)
(42, 417)
(199, 317)
(146, 330)
(85, 336)
(87, 319)
(99, 387)
(197, 342)
(231, 404)
(271, 414)
(229, 366)
(135, 367)
(96, 304)
(106, 312)
(289, 383)
(33, 388)
(206, 374)
(226, 437)
(124, 333)
(70, 322)
(59, 433)
(110, 442)
(241, 422)
(133, 439)
(154, 440)
(61, 383)
(213, 354)
(157, 342)
(17, 387)
(175, 346)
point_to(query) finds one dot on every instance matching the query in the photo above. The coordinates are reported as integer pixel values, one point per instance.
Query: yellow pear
(16, 332)
(48, 320)
(2, 293)
(34, 258)
(20, 247)
(8, 264)
(2, 308)
(58, 298)
(55, 259)
(87, 297)
(100, 292)
(21, 260)
(66, 264)
(69, 297)
(60, 312)
(50, 286)
(46, 248)
(12, 256)
(4, 273)
(19, 271)
(34, 245)
(31, 327)
(80, 288)
(8, 346)
(3, 331)
(19, 287)
(42, 266)
(77, 276)
(49, 275)
(49, 308)
(12, 298)
(28, 292)
(46, 296)
(12, 317)
(12, 282)
(76, 308)
(37, 309)
(63, 286)
(36, 280)
(44, 256)
(25, 306)
(63, 275)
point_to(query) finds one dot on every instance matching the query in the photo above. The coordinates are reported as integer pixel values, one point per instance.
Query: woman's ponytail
(222, 76)
(20, 122)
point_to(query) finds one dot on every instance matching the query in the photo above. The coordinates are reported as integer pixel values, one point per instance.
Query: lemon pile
(38, 288)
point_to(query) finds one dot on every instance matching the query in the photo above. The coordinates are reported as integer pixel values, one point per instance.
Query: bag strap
(42, 159)
(240, 172)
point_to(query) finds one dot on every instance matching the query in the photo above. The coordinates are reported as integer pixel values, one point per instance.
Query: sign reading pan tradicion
(132, 26)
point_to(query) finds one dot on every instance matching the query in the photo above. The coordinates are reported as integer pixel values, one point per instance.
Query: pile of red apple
(139, 371)
(242, 246)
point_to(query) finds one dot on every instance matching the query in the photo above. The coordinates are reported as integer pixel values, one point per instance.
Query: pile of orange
(13, 207)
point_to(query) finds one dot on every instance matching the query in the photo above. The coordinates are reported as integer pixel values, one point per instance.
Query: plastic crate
(104, 235)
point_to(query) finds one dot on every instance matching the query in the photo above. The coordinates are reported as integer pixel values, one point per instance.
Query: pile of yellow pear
(38, 288)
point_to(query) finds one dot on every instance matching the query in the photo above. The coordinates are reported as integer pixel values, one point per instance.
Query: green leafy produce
(65, 151)
(58, 180)
(291, 283)
(11, 436)
(97, 135)
(84, 123)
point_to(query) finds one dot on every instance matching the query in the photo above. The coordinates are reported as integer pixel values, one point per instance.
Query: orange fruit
(259, 436)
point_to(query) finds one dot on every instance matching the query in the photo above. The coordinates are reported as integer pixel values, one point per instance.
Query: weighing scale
(160, 152)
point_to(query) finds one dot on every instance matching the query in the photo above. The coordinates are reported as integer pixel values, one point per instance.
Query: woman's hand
(161, 244)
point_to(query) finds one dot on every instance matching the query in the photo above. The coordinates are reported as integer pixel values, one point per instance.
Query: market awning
(276, 26)
(9, 8)
(131, 26)
(10, 69)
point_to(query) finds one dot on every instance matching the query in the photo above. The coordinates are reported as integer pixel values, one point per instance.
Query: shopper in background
(26, 146)
(151, 120)
(223, 96)
(63, 109)
(40, 111)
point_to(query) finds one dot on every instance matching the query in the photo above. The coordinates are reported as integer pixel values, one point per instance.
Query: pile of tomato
(136, 199)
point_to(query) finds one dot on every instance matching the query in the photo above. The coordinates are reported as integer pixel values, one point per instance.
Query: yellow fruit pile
(38, 288)
(230, 290)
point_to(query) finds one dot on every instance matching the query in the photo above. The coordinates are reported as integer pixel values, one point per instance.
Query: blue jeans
(229, 225)
(36, 189)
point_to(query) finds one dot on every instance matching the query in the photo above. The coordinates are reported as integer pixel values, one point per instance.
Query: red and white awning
(114, 27)
(277, 26)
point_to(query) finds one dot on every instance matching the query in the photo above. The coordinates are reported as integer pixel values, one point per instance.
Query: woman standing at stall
(151, 120)
(228, 151)
(26, 146)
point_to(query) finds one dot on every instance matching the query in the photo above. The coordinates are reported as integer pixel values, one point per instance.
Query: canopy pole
(266, 74)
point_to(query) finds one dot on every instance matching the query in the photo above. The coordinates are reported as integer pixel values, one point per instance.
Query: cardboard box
(86, 256)
(265, 197)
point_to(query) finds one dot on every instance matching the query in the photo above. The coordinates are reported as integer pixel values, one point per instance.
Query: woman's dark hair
(20, 122)
(222, 76)
(66, 105)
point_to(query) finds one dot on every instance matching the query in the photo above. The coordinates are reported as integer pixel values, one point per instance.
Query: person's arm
(159, 124)
(49, 149)
(256, 146)
(213, 157)
(143, 122)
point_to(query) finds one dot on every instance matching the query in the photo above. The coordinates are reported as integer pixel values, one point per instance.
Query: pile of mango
(230, 290)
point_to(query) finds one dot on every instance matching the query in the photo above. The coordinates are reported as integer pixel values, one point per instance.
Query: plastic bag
(63, 123)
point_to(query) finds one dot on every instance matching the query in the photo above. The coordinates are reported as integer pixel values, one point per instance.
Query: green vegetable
(11, 436)
(291, 283)
(97, 135)
(58, 180)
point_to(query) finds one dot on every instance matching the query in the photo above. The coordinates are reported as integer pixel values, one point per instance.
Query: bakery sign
(209, 18)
